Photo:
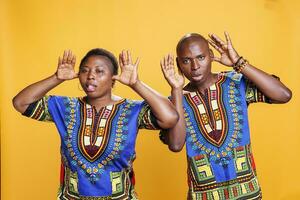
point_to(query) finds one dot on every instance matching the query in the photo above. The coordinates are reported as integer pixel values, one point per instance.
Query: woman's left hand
(229, 56)
(129, 75)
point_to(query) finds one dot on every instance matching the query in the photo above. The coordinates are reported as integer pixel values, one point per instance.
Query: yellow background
(34, 33)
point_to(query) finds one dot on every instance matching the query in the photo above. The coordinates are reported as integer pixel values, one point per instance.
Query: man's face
(194, 59)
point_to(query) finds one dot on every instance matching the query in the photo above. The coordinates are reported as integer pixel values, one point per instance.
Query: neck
(101, 101)
(206, 83)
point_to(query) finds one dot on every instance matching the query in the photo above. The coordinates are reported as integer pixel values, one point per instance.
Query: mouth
(196, 76)
(90, 87)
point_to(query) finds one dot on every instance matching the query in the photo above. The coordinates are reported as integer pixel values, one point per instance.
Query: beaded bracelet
(240, 64)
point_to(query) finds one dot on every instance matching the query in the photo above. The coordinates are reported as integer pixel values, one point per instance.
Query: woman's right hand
(175, 80)
(66, 65)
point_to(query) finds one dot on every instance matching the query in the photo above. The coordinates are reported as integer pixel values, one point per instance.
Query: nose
(194, 64)
(91, 75)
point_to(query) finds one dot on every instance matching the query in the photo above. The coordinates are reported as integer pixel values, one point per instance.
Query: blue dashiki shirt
(97, 147)
(220, 160)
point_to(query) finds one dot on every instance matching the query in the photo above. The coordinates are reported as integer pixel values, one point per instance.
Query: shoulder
(232, 75)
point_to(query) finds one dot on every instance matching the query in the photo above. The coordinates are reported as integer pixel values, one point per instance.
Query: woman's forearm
(34, 92)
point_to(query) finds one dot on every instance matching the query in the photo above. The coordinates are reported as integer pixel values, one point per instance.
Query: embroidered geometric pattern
(93, 144)
(210, 113)
(39, 110)
(220, 162)
(146, 119)
(94, 132)
(121, 185)
(245, 186)
(94, 169)
(198, 139)
(69, 184)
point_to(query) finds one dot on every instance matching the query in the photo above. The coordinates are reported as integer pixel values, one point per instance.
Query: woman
(98, 131)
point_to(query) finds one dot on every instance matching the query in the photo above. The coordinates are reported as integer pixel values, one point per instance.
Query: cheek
(106, 79)
(81, 79)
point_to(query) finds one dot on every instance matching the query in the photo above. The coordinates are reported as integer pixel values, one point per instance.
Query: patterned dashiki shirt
(219, 156)
(97, 147)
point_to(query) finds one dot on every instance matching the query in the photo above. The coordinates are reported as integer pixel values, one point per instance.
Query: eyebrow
(98, 66)
(202, 54)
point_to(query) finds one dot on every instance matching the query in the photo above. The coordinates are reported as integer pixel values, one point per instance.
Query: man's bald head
(189, 38)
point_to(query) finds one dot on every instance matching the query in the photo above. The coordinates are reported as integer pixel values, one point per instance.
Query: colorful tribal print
(97, 147)
(220, 161)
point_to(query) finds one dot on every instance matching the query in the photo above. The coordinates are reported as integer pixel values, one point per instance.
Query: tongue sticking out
(91, 88)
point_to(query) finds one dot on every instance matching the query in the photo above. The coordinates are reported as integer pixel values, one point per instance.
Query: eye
(186, 61)
(99, 71)
(201, 57)
(83, 70)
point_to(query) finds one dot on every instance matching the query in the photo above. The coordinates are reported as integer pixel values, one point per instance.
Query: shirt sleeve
(39, 110)
(146, 119)
(254, 95)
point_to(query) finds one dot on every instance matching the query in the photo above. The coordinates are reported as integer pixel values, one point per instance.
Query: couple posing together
(209, 114)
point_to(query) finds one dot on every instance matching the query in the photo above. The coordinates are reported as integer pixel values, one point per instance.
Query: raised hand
(128, 74)
(66, 64)
(175, 80)
(229, 56)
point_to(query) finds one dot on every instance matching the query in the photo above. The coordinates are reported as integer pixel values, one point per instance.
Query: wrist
(240, 64)
(55, 76)
(177, 89)
(135, 85)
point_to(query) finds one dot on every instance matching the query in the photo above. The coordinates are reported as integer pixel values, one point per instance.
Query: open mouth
(90, 87)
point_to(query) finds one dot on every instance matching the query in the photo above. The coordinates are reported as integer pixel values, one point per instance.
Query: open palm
(66, 64)
(228, 55)
(175, 80)
(129, 75)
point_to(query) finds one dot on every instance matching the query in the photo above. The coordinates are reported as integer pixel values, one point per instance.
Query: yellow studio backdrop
(34, 33)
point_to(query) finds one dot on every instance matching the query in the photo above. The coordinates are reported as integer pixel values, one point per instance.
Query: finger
(180, 71)
(64, 60)
(73, 60)
(228, 38)
(165, 62)
(163, 68)
(115, 77)
(129, 57)
(76, 75)
(168, 60)
(172, 60)
(215, 46)
(123, 58)
(121, 61)
(217, 59)
(137, 62)
(70, 56)
(162, 65)
(215, 38)
(59, 61)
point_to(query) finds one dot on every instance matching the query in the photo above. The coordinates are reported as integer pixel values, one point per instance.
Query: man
(213, 116)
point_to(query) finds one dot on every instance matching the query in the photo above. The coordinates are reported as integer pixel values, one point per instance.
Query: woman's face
(95, 76)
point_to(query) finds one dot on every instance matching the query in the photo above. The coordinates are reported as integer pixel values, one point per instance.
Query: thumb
(76, 75)
(115, 78)
(137, 62)
(216, 59)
